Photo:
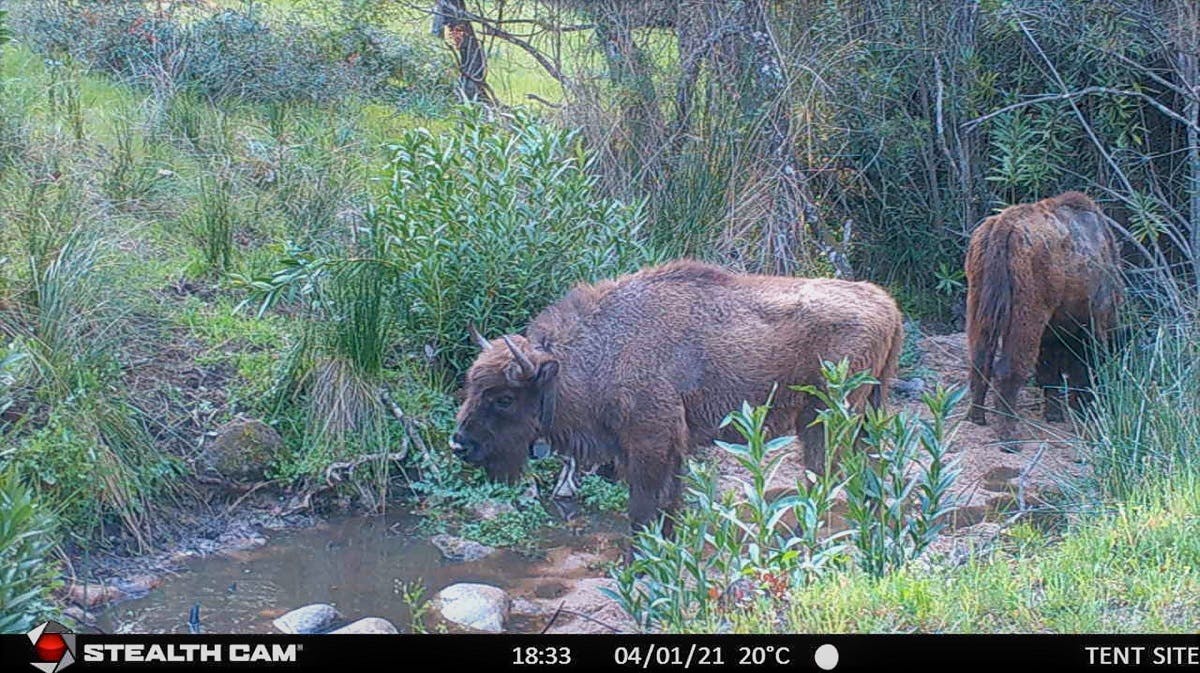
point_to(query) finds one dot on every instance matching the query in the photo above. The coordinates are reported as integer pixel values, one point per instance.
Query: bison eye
(504, 401)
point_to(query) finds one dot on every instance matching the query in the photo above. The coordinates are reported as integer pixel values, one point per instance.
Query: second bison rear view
(639, 369)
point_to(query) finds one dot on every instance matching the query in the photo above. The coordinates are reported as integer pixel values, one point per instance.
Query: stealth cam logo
(54, 647)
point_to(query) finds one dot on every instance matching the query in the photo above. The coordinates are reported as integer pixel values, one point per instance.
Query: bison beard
(637, 370)
(1043, 286)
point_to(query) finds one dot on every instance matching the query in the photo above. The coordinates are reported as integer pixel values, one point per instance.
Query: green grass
(1133, 570)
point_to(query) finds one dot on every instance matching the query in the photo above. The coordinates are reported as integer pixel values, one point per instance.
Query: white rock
(367, 625)
(313, 618)
(479, 607)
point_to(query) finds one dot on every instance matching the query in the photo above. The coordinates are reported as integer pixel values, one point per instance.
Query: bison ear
(546, 373)
(545, 379)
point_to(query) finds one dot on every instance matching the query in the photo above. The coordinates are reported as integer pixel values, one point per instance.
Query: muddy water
(357, 564)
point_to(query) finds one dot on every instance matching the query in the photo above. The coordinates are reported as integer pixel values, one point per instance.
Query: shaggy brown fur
(638, 369)
(1043, 286)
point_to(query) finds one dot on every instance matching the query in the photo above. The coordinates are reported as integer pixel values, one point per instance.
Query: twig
(543, 101)
(553, 617)
(561, 609)
(1025, 476)
(245, 495)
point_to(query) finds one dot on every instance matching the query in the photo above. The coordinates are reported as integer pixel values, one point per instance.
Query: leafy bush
(752, 546)
(491, 223)
(27, 572)
(488, 224)
(232, 53)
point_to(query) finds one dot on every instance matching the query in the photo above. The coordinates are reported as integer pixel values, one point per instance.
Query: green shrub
(895, 511)
(739, 547)
(27, 571)
(492, 223)
(231, 53)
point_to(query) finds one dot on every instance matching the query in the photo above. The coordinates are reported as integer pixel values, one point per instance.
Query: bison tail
(990, 314)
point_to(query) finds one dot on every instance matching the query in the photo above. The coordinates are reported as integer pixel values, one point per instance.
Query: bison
(1043, 286)
(636, 370)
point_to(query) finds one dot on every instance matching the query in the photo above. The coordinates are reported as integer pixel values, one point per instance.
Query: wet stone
(461, 550)
(313, 618)
(478, 607)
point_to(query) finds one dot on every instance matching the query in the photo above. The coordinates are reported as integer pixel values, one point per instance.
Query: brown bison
(636, 370)
(1043, 286)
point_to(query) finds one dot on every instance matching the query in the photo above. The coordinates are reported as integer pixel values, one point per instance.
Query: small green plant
(898, 473)
(27, 571)
(950, 279)
(754, 546)
(127, 179)
(412, 594)
(603, 495)
(516, 528)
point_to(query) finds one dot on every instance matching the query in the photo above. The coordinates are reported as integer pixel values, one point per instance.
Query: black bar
(629, 653)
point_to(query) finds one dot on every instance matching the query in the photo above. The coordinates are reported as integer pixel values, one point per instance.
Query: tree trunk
(642, 127)
(1187, 57)
(450, 21)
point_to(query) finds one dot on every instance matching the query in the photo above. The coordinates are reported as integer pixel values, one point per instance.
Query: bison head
(509, 403)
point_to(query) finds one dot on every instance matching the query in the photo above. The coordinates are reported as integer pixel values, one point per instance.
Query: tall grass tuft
(213, 225)
(77, 441)
(1146, 417)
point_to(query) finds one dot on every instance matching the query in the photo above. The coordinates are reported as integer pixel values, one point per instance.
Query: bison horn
(522, 359)
(477, 337)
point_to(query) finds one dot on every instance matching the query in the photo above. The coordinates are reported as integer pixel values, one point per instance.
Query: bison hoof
(977, 417)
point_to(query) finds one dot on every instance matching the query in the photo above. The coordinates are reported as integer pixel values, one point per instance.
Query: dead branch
(1072, 95)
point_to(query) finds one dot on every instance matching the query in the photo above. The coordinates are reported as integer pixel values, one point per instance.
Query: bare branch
(1071, 95)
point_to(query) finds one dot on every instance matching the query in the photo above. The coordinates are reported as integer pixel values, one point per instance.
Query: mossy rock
(242, 450)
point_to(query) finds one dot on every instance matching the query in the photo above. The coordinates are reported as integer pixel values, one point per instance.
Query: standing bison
(638, 369)
(1043, 286)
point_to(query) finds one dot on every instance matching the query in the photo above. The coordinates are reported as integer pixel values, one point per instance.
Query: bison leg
(1051, 367)
(812, 436)
(653, 459)
(1013, 367)
(979, 376)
